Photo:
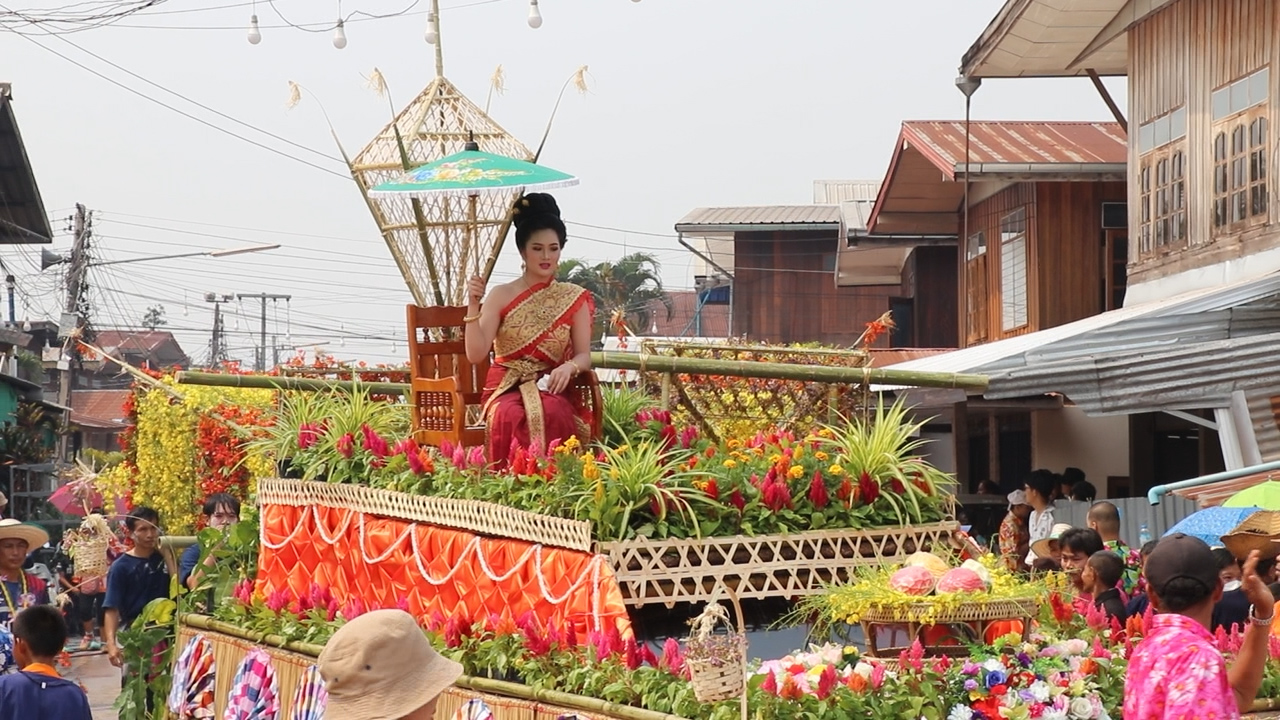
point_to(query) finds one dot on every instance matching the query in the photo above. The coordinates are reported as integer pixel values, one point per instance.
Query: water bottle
(1144, 535)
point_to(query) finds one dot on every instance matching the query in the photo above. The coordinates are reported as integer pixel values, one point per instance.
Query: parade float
(713, 474)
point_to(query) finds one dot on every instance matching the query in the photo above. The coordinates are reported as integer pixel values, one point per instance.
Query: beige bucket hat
(380, 666)
(33, 534)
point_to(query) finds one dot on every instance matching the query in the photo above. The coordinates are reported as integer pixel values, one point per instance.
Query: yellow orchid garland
(164, 463)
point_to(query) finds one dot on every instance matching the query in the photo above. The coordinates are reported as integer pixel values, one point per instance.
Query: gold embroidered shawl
(534, 336)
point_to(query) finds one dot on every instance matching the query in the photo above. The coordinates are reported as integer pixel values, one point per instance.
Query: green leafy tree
(630, 287)
(154, 317)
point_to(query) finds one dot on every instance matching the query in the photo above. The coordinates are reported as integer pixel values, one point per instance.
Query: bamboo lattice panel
(472, 515)
(429, 237)
(729, 406)
(694, 571)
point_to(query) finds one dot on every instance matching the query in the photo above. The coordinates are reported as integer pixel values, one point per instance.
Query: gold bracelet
(470, 318)
(576, 369)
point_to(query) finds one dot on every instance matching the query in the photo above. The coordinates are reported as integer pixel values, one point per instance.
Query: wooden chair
(445, 387)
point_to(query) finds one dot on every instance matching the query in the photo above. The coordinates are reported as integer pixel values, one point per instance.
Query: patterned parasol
(311, 698)
(191, 695)
(255, 692)
(1212, 523)
(472, 172)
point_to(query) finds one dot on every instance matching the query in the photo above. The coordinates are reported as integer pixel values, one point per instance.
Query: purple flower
(970, 684)
(1025, 659)
(970, 668)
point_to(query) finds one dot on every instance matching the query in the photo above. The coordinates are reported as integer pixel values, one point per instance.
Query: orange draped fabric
(383, 561)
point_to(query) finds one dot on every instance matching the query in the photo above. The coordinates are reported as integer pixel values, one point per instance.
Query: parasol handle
(502, 237)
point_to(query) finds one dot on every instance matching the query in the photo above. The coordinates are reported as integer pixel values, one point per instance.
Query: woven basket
(969, 612)
(719, 675)
(90, 557)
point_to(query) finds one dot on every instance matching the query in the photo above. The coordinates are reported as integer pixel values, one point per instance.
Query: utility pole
(218, 343)
(75, 311)
(260, 356)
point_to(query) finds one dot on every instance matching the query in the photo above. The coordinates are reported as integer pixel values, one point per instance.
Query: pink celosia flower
(278, 600)
(346, 445)
(672, 657)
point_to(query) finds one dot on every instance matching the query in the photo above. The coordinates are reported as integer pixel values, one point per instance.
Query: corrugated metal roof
(942, 142)
(745, 217)
(1012, 352)
(834, 192)
(1215, 494)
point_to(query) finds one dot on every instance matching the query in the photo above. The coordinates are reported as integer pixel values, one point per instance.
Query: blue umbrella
(1212, 523)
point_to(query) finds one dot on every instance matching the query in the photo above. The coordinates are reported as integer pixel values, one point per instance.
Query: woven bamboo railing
(635, 361)
(495, 687)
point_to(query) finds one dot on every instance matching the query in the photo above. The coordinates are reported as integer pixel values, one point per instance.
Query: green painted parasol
(470, 173)
(1265, 495)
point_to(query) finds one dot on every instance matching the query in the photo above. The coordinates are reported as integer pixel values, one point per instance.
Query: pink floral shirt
(1177, 673)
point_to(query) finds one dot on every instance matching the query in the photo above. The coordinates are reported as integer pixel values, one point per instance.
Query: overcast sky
(693, 103)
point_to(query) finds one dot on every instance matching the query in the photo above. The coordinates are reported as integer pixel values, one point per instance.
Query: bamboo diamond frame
(764, 566)
(434, 242)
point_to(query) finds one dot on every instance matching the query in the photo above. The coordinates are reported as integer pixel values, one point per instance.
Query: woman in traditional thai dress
(540, 333)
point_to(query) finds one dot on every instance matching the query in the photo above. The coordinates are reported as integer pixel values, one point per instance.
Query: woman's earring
(523, 267)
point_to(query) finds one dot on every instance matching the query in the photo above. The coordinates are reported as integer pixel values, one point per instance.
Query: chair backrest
(437, 349)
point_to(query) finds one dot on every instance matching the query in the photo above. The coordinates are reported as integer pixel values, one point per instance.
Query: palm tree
(629, 288)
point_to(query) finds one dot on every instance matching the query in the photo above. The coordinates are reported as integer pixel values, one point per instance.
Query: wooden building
(799, 276)
(1041, 206)
(1181, 379)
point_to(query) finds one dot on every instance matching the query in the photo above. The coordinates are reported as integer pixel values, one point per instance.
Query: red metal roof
(99, 408)
(1214, 494)
(942, 142)
(884, 357)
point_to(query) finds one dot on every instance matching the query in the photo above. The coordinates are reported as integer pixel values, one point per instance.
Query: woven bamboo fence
(472, 515)
(507, 700)
(696, 571)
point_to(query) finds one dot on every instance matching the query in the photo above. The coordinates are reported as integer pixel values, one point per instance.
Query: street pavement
(95, 672)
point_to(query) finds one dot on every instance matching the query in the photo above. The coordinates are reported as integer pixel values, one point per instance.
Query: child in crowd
(1139, 602)
(1099, 577)
(1232, 608)
(38, 692)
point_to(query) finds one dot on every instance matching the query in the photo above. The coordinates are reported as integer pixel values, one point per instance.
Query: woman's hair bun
(535, 205)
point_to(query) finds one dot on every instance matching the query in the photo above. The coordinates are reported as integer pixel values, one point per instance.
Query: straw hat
(1260, 531)
(1042, 547)
(33, 534)
(380, 666)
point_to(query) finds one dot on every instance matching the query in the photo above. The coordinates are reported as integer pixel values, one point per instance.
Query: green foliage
(631, 286)
(147, 649)
(618, 413)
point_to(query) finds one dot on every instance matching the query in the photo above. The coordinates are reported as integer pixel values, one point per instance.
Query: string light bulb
(255, 35)
(340, 36)
(432, 34)
(26, 326)
(535, 17)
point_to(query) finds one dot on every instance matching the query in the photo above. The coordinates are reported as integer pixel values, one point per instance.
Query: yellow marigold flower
(775, 458)
(799, 452)
(590, 471)
(821, 455)
(731, 464)
(572, 443)
(835, 470)
(796, 472)
(734, 443)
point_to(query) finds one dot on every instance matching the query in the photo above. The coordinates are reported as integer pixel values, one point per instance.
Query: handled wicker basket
(717, 661)
(90, 557)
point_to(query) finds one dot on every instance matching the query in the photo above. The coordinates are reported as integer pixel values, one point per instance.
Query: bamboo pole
(270, 382)
(783, 371)
(478, 684)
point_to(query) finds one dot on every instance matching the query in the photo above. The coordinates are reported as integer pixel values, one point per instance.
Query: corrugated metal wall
(1133, 513)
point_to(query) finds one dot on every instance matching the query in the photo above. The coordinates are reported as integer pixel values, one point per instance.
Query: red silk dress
(534, 337)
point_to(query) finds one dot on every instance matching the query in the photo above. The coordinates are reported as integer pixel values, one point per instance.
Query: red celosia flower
(790, 690)
(896, 486)
(776, 495)
(770, 684)
(826, 682)
(712, 489)
(737, 500)
(1062, 610)
(346, 445)
(374, 443)
(672, 657)
(818, 491)
(868, 489)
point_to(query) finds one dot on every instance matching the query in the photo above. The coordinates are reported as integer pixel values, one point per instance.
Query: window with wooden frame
(1013, 270)
(1240, 146)
(1162, 183)
(975, 266)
